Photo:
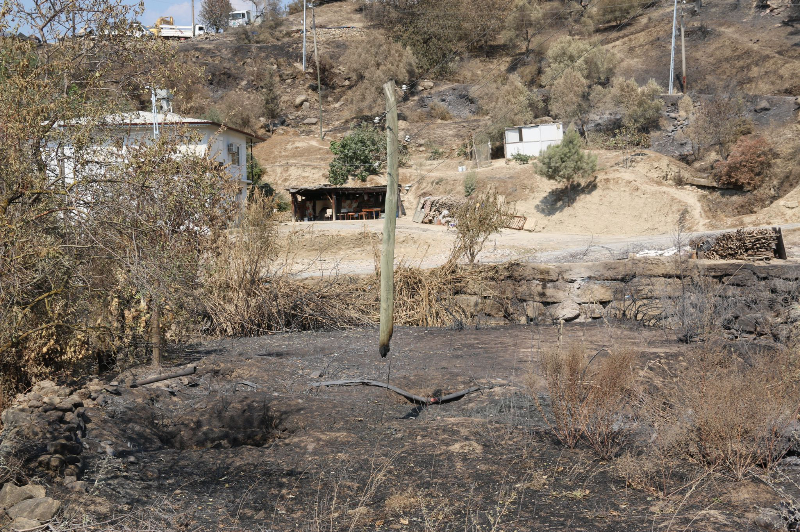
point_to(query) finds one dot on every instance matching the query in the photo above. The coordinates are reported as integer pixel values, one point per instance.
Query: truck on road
(239, 18)
(165, 28)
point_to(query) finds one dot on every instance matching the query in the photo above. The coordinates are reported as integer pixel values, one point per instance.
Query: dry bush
(368, 68)
(248, 289)
(588, 397)
(748, 164)
(439, 111)
(731, 413)
(242, 110)
(479, 217)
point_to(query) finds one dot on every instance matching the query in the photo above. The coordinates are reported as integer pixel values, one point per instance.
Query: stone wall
(745, 294)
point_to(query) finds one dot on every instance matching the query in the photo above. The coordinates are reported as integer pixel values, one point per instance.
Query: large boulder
(41, 509)
(12, 495)
(567, 311)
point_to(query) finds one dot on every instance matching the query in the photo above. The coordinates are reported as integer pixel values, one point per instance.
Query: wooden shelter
(328, 202)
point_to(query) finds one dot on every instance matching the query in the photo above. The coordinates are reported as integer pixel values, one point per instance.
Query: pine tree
(567, 162)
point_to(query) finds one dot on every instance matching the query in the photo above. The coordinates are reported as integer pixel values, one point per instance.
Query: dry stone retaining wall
(643, 289)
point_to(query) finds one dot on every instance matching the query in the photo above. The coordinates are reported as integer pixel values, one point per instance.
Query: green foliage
(593, 62)
(470, 183)
(272, 98)
(641, 107)
(360, 154)
(212, 115)
(569, 97)
(521, 158)
(523, 23)
(612, 11)
(747, 166)
(567, 162)
(435, 154)
(214, 14)
(255, 172)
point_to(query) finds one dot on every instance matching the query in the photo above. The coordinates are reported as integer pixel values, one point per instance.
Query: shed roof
(331, 188)
(145, 118)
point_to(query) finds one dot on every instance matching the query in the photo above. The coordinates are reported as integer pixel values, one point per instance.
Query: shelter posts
(328, 202)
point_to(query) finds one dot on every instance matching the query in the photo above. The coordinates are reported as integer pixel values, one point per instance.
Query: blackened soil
(248, 444)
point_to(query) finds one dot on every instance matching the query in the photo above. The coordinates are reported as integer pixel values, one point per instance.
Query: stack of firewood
(750, 244)
(436, 206)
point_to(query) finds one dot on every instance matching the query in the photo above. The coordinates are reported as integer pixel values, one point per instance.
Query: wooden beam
(390, 220)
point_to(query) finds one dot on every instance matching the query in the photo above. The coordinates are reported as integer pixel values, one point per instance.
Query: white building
(227, 145)
(532, 140)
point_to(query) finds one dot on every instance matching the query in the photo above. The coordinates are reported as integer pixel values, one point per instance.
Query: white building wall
(532, 140)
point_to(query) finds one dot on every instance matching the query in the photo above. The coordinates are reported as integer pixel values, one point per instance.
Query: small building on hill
(329, 202)
(532, 140)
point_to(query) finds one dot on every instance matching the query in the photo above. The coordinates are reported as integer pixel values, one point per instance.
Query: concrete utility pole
(193, 34)
(304, 35)
(316, 60)
(683, 50)
(672, 53)
(387, 255)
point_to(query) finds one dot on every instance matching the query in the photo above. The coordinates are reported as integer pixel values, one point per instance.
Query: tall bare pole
(672, 52)
(387, 256)
(316, 60)
(683, 50)
(193, 34)
(304, 35)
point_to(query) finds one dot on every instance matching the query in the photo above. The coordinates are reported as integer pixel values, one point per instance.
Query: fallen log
(416, 399)
(182, 373)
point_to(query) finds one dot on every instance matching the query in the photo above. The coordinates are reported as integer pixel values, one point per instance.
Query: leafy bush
(360, 154)
(640, 107)
(567, 162)
(521, 158)
(749, 163)
(595, 63)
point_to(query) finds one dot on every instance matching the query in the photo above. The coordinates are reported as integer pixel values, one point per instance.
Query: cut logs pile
(434, 206)
(742, 244)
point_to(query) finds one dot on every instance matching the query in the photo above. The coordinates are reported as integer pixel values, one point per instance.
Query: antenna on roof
(155, 114)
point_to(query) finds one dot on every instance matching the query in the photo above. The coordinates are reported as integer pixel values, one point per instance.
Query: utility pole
(683, 50)
(304, 35)
(387, 255)
(316, 60)
(193, 35)
(672, 52)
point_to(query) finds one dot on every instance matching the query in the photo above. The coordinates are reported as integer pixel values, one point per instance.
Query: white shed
(532, 140)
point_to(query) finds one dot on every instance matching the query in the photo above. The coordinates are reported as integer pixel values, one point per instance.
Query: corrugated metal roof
(145, 118)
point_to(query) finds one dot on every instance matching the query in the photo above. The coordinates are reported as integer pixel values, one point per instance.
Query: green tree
(569, 97)
(360, 154)
(567, 162)
(214, 13)
(594, 62)
(523, 24)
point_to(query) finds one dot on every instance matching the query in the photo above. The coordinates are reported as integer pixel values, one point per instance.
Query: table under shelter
(328, 202)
